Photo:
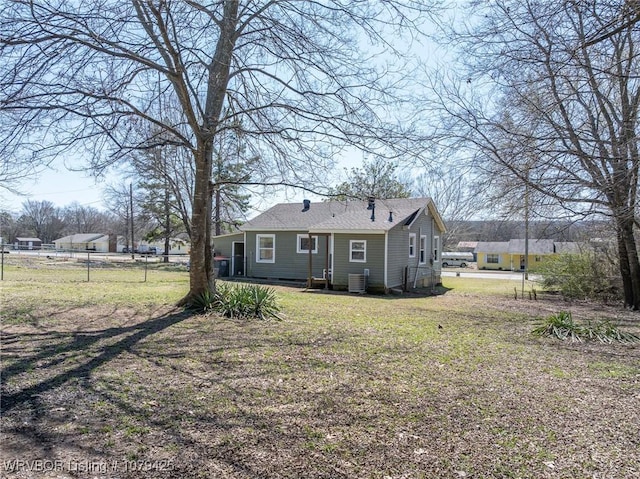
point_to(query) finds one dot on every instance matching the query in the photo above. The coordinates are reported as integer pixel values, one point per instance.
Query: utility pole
(525, 271)
(133, 256)
(167, 207)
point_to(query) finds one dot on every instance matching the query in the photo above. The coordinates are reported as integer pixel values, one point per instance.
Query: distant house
(28, 243)
(468, 247)
(510, 255)
(84, 242)
(344, 245)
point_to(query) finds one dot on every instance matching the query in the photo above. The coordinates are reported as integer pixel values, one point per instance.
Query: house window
(493, 258)
(358, 251)
(265, 248)
(303, 244)
(412, 245)
(436, 248)
(423, 249)
(538, 259)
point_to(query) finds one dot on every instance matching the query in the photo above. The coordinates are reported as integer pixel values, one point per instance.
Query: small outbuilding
(28, 243)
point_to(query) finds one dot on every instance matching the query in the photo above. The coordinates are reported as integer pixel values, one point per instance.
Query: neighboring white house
(83, 242)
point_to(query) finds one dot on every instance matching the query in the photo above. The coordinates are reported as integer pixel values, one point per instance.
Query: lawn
(106, 379)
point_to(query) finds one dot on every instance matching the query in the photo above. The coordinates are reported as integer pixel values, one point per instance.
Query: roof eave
(347, 231)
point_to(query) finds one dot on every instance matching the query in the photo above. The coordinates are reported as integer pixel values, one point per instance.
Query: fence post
(88, 265)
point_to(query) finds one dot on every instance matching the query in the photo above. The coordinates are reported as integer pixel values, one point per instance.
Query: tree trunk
(201, 271)
(217, 215)
(201, 276)
(629, 264)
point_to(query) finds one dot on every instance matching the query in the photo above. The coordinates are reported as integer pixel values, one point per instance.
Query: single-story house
(510, 255)
(28, 243)
(374, 245)
(97, 242)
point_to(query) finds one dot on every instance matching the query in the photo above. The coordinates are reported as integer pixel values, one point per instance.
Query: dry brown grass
(345, 386)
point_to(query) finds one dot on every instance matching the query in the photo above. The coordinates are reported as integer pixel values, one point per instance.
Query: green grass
(491, 287)
(33, 282)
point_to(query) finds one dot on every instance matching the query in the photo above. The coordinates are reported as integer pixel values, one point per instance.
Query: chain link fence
(83, 265)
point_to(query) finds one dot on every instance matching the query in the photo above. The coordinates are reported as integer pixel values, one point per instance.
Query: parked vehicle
(456, 259)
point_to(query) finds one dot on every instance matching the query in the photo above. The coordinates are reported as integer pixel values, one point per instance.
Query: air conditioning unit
(357, 283)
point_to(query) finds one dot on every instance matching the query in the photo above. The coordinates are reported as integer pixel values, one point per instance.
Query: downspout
(415, 278)
(433, 265)
(326, 262)
(330, 248)
(309, 279)
(386, 259)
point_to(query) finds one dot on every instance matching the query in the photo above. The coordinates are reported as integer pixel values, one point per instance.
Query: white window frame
(422, 249)
(314, 240)
(436, 249)
(497, 257)
(351, 251)
(412, 245)
(259, 258)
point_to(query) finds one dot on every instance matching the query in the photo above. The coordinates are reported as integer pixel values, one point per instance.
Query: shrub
(579, 276)
(203, 302)
(243, 301)
(562, 326)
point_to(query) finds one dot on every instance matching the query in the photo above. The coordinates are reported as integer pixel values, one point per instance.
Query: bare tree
(41, 219)
(9, 228)
(453, 194)
(84, 219)
(572, 106)
(292, 75)
(130, 221)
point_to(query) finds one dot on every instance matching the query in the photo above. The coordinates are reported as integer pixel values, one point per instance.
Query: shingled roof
(517, 246)
(83, 238)
(342, 216)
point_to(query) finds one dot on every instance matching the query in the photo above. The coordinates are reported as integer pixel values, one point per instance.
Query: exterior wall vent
(357, 283)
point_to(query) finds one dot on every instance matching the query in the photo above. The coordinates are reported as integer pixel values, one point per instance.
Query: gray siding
(398, 254)
(222, 245)
(342, 267)
(289, 264)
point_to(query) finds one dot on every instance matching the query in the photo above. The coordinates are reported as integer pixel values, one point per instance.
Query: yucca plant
(606, 332)
(264, 303)
(246, 301)
(562, 326)
(204, 302)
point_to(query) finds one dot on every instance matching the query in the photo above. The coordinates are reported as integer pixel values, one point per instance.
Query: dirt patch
(443, 386)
